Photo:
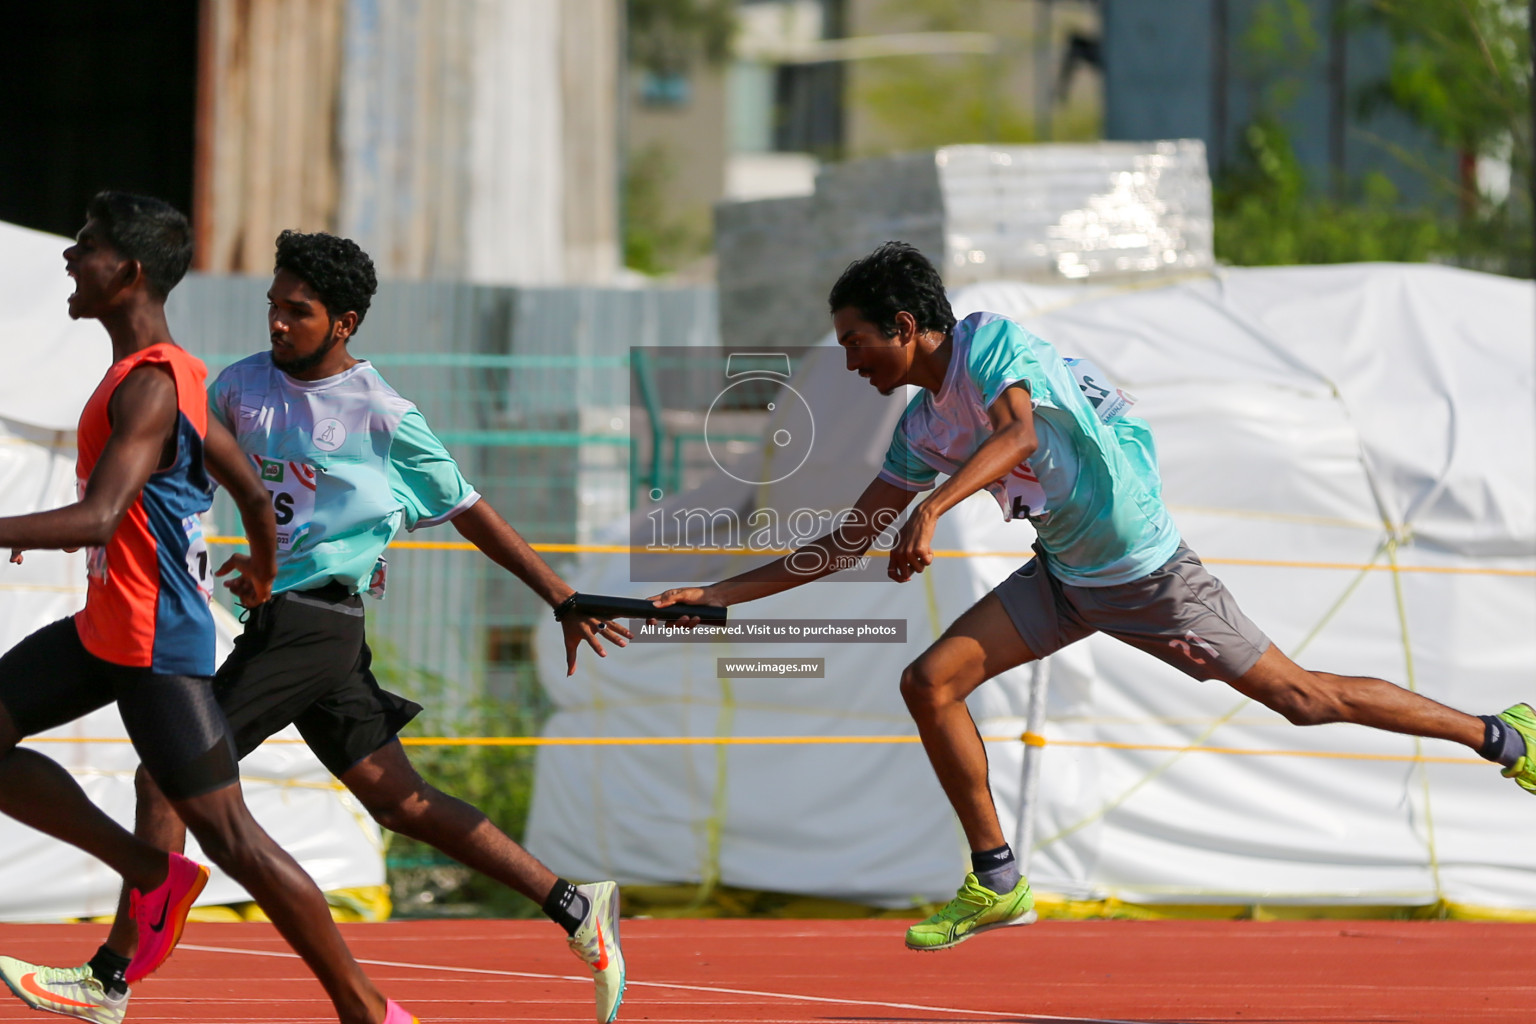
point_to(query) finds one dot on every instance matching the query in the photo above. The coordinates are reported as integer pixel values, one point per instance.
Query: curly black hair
(336, 268)
(146, 229)
(895, 277)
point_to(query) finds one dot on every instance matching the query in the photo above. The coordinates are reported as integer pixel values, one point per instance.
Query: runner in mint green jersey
(348, 463)
(1052, 440)
(1092, 492)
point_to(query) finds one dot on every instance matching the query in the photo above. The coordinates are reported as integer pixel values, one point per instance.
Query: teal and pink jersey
(1091, 489)
(147, 593)
(347, 461)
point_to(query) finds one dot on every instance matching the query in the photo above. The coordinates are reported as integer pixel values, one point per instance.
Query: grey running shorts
(1178, 613)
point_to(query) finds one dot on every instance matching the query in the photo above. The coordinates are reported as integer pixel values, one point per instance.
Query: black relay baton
(601, 606)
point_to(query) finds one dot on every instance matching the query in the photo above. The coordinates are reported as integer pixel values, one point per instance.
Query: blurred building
(927, 73)
(750, 125)
(474, 140)
(1208, 69)
(815, 81)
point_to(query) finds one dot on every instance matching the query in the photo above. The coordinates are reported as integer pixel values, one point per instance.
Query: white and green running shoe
(975, 909)
(1522, 719)
(596, 942)
(72, 991)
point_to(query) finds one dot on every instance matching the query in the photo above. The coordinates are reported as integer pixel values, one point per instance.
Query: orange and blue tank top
(148, 589)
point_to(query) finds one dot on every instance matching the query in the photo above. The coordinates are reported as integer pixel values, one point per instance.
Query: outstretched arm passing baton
(602, 606)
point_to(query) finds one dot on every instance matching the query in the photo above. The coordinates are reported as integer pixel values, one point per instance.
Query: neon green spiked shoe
(1522, 719)
(596, 944)
(975, 909)
(72, 991)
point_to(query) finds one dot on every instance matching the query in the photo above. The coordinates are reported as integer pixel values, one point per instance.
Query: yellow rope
(1028, 738)
(623, 549)
(1331, 755)
(46, 588)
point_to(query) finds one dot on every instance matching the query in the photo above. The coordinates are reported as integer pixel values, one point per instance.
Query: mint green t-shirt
(347, 462)
(1091, 489)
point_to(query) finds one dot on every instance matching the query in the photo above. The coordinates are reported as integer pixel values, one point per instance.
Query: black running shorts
(303, 660)
(1178, 613)
(173, 721)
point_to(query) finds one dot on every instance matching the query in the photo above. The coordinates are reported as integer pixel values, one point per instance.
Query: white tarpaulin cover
(1309, 422)
(52, 365)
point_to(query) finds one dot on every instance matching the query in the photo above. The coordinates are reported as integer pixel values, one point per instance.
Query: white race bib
(1108, 401)
(1020, 492)
(292, 487)
(197, 556)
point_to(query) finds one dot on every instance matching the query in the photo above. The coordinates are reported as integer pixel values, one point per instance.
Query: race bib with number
(1020, 492)
(292, 488)
(1109, 402)
(1022, 496)
(197, 555)
(378, 579)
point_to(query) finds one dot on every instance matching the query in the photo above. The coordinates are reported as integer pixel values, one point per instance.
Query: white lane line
(792, 997)
(395, 963)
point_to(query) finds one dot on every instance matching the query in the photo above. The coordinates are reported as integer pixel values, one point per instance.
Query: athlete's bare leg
(402, 801)
(155, 822)
(981, 643)
(236, 843)
(1314, 698)
(37, 791)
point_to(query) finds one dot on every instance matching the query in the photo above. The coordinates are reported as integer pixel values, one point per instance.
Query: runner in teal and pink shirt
(1000, 410)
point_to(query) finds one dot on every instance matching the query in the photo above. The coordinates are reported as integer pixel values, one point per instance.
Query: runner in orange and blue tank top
(148, 457)
(148, 588)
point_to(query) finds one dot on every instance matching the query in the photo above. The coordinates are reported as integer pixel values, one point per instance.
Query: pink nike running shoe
(162, 913)
(394, 1013)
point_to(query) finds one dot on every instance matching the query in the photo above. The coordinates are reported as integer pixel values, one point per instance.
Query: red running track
(790, 972)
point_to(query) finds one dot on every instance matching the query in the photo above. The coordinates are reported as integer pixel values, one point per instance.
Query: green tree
(496, 779)
(667, 38)
(1460, 69)
(1266, 214)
